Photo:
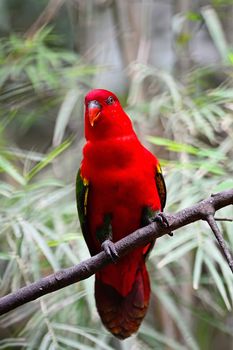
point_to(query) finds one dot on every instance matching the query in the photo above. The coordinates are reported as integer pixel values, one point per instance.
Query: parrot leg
(104, 236)
(109, 247)
(162, 220)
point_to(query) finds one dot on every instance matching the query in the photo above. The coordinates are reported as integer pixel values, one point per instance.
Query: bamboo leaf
(30, 231)
(177, 253)
(218, 280)
(172, 309)
(149, 332)
(64, 115)
(215, 29)
(197, 268)
(48, 159)
(8, 168)
(82, 332)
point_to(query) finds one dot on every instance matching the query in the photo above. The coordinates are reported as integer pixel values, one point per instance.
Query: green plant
(39, 231)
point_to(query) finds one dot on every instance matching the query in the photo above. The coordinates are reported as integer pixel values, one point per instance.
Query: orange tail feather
(122, 316)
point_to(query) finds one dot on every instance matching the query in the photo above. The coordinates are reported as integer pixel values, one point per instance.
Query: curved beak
(94, 109)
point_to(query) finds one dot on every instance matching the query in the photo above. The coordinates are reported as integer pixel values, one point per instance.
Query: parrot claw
(162, 220)
(110, 250)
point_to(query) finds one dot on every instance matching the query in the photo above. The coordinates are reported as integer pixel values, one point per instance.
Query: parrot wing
(161, 187)
(147, 213)
(82, 189)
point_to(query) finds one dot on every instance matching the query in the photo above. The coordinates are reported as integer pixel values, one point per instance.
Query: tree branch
(203, 210)
(214, 227)
(50, 11)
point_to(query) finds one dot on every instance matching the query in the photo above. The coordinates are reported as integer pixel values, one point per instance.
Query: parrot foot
(162, 220)
(110, 250)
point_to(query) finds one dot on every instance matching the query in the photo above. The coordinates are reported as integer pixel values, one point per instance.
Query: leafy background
(182, 111)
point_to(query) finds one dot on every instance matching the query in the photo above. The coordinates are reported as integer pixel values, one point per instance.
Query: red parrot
(119, 189)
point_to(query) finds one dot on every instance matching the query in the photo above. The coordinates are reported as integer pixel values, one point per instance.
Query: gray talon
(109, 248)
(162, 220)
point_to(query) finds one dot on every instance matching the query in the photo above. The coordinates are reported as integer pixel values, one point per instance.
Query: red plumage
(121, 178)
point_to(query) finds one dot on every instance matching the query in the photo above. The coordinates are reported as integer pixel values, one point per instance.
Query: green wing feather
(147, 213)
(161, 187)
(82, 190)
(104, 231)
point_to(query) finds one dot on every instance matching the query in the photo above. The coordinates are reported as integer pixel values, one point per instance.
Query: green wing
(147, 213)
(104, 231)
(161, 187)
(82, 190)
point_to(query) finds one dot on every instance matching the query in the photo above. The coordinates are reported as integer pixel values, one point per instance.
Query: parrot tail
(122, 315)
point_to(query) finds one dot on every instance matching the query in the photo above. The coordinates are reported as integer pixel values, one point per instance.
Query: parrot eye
(110, 100)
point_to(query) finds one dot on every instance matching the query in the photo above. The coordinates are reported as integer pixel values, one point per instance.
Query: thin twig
(214, 227)
(200, 211)
(223, 219)
(45, 17)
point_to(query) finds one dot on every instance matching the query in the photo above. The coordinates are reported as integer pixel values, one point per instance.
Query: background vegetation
(171, 63)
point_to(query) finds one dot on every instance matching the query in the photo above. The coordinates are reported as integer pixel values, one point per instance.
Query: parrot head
(104, 116)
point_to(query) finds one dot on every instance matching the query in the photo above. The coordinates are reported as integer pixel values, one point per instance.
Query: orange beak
(94, 109)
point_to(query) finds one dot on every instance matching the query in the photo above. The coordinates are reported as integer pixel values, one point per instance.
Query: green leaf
(5, 256)
(172, 308)
(173, 145)
(165, 246)
(197, 268)
(73, 344)
(177, 253)
(47, 339)
(230, 57)
(10, 343)
(8, 168)
(82, 332)
(32, 233)
(194, 16)
(48, 159)
(215, 29)
(148, 332)
(225, 185)
(218, 280)
(195, 151)
(64, 115)
(214, 252)
(66, 238)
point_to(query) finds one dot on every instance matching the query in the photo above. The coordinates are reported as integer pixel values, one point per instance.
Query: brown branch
(203, 210)
(50, 11)
(223, 219)
(214, 227)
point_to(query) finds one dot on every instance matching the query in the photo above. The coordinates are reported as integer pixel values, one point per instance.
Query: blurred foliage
(189, 124)
(36, 72)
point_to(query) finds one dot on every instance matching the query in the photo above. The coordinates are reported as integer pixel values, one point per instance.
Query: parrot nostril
(94, 104)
